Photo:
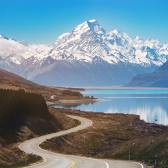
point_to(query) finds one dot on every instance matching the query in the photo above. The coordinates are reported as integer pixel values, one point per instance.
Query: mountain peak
(90, 25)
(3, 37)
(115, 31)
(92, 21)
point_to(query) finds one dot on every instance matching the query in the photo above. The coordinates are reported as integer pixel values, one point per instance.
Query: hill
(10, 80)
(158, 78)
(57, 95)
(23, 116)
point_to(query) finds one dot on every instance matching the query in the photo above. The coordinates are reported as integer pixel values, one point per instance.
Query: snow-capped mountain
(86, 56)
(17, 52)
(89, 40)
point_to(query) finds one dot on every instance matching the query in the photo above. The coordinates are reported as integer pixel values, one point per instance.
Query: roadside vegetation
(116, 136)
(24, 115)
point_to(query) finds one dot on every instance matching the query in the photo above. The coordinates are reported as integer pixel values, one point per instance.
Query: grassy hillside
(24, 115)
(12, 81)
(9, 79)
(115, 136)
(19, 109)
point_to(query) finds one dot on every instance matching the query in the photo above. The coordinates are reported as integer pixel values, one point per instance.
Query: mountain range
(86, 56)
(158, 78)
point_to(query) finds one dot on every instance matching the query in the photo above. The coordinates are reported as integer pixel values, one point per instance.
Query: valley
(24, 115)
(116, 131)
(83, 84)
(27, 117)
(57, 95)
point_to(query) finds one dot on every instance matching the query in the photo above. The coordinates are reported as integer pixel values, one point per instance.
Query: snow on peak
(90, 25)
(115, 31)
(86, 42)
(92, 21)
(63, 36)
(119, 34)
(138, 38)
(17, 52)
(3, 37)
(89, 40)
(119, 38)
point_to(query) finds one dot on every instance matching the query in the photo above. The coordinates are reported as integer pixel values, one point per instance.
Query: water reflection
(150, 114)
(152, 106)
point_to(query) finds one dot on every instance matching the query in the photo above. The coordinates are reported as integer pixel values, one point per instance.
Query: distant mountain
(158, 78)
(9, 80)
(86, 56)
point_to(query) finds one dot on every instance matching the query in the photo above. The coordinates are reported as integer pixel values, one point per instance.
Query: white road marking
(142, 166)
(107, 165)
(53, 160)
(72, 164)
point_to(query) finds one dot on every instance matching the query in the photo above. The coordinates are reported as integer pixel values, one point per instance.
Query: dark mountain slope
(158, 78)
(11, 81)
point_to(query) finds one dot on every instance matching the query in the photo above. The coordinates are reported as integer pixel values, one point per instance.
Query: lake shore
(123, 88)
(113, 136)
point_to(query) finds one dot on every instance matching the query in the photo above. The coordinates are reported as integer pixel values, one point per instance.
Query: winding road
(55, 160)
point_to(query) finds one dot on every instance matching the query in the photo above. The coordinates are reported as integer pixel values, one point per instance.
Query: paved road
(54, 160)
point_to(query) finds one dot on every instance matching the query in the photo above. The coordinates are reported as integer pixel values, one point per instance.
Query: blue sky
(41, 21)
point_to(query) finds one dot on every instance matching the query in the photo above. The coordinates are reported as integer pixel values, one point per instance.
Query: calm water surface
(151, 105)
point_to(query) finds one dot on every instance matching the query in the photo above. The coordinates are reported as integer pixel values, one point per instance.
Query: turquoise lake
(151, 105)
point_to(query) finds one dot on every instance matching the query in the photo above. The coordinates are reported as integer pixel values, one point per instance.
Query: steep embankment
(22, 116)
